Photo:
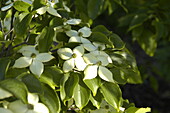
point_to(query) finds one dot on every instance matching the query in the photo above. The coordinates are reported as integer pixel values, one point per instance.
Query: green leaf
(21, 6)
(50, 99)
(21, 27)
(45, 39)
(117, 42)
(69, 86)
(138, 110)
(34, 86)
(94, 8)
(4, 64)
(112, 94)
(148, 42)
(62, 37)
(15, 72)
(125, 20)
(81, 95)
(102, 29)
(120, 3)
(137, 20)
(39, 3)
(52, 76)
(119, 76)
(93, 84)
(62, 86)
(96, 100)
(56, 21)
(16, 87)
(100, 37)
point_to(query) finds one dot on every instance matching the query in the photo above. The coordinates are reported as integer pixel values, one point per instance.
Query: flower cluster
(89, 57)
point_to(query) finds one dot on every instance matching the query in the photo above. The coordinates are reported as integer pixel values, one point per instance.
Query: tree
(53, 60)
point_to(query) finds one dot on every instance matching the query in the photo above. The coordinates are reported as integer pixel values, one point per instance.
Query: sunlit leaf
(21, 6)
(112, 94)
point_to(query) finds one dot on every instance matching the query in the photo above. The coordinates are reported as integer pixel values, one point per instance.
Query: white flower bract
(33, 59)
(73, 58)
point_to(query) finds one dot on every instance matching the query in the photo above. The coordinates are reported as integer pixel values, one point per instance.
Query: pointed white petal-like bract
(79, 50)
(53, 11)
(90, 72)
(41, 10)
(99, 45)
(17, 106)
(103, 60)
(6, 7)
(90, 59)
(37, 67)
(105, 54)
(105, 74)
(28, 48)
(68, 65)
(4, 94)
(44, 57)
(85, 41)
(22, 62)
(80, 63)
(89, 47)
(40, 108)
(3, 110)
(32, 98)
(85, 31)
(75, 39)
(71, 33)
(65, 53)
(73, 22)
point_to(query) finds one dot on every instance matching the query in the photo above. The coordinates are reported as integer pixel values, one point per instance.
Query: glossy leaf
(50, 99)
(34, 86)
(81, 95)
(93, 84)
(16, 87)
(70, 86)
(117, 42)
(21, 27)
(137, 110)
(100, 37)
(39, 3)
(112, 94)
(96, 100)
(46, 39)
(102, 29)
(94, 8)
(21, 6)
(52, 76)
(4, 64)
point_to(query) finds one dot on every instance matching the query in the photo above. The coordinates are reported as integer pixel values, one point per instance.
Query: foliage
(50, 50)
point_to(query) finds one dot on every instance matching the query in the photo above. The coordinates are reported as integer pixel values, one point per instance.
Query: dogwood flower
(73, 58)
(49, 8)
(96, 66)
(75, 36)
(33, 106)
(33, 59)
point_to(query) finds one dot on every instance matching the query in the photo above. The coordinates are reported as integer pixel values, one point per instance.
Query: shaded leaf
(50, 99)
(45, 39)
(4, 64)
(16, 87)
(94, 8)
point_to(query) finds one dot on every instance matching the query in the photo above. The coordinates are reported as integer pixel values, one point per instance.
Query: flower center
(99, 48)
(74, 55)
(30, 106)
(80, 34)
(99, 63)
(33, 55)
